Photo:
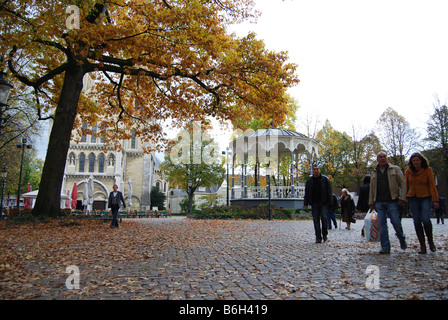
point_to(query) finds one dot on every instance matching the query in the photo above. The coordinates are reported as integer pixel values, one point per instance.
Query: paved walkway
(280, 260)
(269, 260)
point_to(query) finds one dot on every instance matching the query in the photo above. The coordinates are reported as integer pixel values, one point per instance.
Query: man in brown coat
(387, 193)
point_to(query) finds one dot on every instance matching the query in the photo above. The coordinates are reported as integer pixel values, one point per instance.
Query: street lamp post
(226, 153)
(189, 197)
(268, 187)
(4, 174)
(21, 146)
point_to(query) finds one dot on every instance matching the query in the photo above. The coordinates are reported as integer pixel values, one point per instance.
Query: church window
(82, 162)
(101, 163)
(93, 138)
(84, 137)
(91, 162)
(133, 140)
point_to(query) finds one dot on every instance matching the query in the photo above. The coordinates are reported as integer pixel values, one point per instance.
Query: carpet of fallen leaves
(30, 255)
(212, 259)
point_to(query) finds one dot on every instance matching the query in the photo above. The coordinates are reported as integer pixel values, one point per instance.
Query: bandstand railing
(277, 192)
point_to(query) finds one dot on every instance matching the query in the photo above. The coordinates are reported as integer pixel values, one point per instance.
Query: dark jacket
(119, 197)
(363, 200)
(335, 204)
(325, 190)
(349, 204)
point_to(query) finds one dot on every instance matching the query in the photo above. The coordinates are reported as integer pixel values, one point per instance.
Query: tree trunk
(48, 202)
(190, 203)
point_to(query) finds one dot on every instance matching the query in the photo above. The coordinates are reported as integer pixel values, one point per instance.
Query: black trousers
(114, 223)
(320, 216)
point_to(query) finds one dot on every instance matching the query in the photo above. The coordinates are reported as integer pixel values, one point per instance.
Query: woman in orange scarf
(421, 191)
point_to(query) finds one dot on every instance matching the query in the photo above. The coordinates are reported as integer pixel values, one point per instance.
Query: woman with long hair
(421, 193)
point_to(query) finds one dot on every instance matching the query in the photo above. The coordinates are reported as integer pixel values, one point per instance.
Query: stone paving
(279, 260)
(272, 260)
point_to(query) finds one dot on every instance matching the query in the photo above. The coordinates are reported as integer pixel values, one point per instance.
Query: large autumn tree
(145, 60)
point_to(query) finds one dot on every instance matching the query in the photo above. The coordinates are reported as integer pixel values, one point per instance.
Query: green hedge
(260, 212)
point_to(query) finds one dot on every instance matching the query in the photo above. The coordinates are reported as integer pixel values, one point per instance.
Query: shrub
(259, 212)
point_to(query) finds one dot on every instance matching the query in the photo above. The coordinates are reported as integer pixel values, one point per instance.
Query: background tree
(346, 159)
(193, 157)
(309, 124)
(334, 151)
(362, 156)
(437, 137)
(20, 123)
(157, 198)
(210, 200)
(397, 137)
(144, 60)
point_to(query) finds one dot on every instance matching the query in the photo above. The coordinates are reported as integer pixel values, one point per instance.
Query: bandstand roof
(276, 132)
(280, 142)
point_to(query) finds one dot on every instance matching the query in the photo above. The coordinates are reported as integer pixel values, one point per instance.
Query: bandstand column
(232, 192)
(292, 175)
(245, 169)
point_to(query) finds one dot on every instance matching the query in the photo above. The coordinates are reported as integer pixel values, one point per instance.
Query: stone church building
(132, 170)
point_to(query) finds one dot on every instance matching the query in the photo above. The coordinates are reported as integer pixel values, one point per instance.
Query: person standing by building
(422, 194)
(115, 197)
(387, 193)
(318, 194)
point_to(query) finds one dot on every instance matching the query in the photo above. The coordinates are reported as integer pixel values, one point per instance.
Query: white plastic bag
(372, 226)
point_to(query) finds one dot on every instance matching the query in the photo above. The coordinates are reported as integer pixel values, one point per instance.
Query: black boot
(421, 240)
(428, 231)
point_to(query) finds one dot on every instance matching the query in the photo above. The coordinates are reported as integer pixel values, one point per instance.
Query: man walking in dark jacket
(114, 203)
(318, 194)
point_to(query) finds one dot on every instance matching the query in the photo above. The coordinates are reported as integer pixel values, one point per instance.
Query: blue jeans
(320, 215)
(421, 212)
(332, 217)
(393, 209)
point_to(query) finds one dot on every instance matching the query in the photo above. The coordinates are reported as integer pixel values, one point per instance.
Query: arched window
(91, 162)
(82, 162)
(94, 130)
(84, 137)
(101, 163)
(133, 140)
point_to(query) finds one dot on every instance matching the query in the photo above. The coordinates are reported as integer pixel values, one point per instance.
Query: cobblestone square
(256, 259)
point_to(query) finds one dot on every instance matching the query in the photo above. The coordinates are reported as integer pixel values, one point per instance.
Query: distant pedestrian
(363, 200)
(318, 195)
(421, 189)
(332, 211)
(347, 207)
(440, 212)
(115, 197)
(387, 193)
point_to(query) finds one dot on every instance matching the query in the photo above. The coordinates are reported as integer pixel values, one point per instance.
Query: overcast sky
(357, 57)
